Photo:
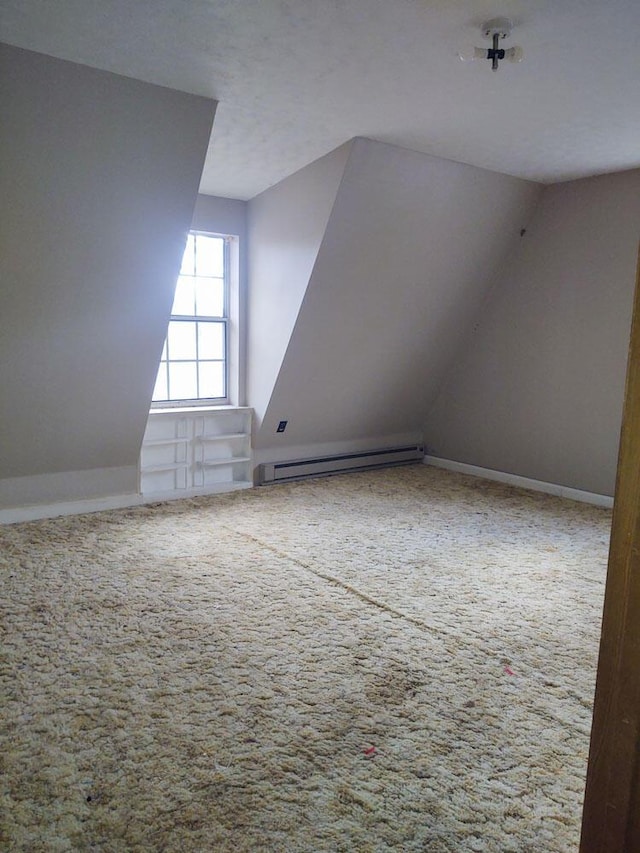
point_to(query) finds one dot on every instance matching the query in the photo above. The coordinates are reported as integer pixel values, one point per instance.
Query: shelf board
(230, 460)
(223, 437)
(189, 411)
(157, 442)
(169, 466)
(197, 491)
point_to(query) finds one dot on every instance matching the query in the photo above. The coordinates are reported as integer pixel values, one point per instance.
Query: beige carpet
(400, 660)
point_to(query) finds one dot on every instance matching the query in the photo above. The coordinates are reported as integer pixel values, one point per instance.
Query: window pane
(184, 298)
(211, 340)
(183, 383)
(181, 340)
(188, 259)
(211, 379)
(160, 392)
(209, 256)
(163, 357)
(209, 297)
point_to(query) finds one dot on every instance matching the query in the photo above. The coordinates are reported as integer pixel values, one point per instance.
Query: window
(195, 358)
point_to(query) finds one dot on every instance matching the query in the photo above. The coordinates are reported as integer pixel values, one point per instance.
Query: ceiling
(296, 78)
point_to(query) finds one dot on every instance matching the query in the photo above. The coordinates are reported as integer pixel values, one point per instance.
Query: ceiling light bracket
(496, 29)
(500, 27)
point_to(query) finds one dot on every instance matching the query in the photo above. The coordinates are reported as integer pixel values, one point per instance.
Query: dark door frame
(611, 817)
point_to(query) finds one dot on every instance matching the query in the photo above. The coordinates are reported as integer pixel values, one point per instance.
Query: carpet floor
(400, 660)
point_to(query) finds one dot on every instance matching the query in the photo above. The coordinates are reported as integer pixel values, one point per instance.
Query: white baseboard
(522, 482)
(37, 512)
(14, 515)
(67, 493)
(68, 486)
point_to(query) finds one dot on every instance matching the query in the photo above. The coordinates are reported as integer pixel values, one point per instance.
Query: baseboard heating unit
(322, 466)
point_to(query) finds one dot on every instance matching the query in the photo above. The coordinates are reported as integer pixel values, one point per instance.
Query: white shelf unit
(188, 452)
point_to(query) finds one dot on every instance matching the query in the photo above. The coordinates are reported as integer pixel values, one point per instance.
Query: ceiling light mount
(500, 27)
(496, 29)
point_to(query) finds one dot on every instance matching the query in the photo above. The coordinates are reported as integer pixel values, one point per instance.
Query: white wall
(411, 246)
(221, 216)
(286, 225)
(98, 182)
(538, 388)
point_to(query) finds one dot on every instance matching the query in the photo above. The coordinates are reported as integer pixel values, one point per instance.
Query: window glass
(209, 256)
(209, 297)
(160, 392)
(211, 341)
(181, 341)
(189, 257)
(211, 378)
(183, 380)
(184, 298)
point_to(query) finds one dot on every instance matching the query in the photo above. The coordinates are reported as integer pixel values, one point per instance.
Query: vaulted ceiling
(295, 79)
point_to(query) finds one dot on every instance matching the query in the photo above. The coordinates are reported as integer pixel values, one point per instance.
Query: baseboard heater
(322, 466)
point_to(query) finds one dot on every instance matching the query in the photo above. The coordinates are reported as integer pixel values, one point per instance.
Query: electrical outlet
(282, 426)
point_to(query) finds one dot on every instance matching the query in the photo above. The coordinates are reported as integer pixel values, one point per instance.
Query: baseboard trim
(37, 512)
(522, 482)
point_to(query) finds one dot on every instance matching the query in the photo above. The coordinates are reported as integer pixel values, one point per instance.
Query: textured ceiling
(296, 78)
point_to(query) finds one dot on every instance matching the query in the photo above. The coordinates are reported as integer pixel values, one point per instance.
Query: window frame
(225, 321)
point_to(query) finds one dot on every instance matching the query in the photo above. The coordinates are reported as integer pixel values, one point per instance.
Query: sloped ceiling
(411, 247)
(297, 78)
(98, 182)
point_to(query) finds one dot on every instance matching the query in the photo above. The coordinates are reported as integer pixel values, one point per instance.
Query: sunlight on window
(193, 365)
